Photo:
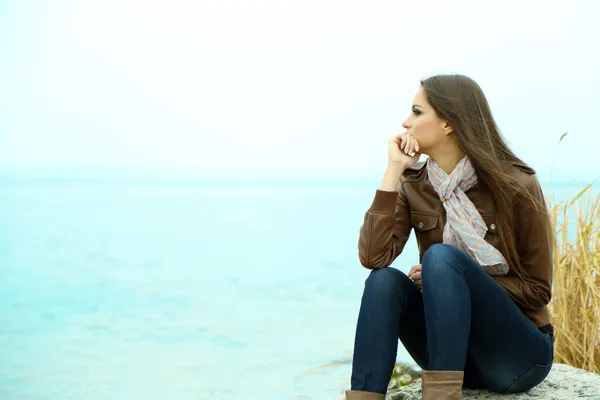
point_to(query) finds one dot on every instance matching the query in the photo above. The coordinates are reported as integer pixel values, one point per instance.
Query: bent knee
(439, 261)
(386, 280)
(439, 253)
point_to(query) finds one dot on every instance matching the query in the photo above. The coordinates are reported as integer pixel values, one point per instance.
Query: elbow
(375, 249)
(544, 297)
(369, 262)
(544, 292)
(368, 265)
(540, 298)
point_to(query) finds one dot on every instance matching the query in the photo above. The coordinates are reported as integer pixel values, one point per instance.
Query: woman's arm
(535, 248)
(386, 226)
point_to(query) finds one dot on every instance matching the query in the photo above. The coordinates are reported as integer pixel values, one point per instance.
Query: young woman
(474, 312)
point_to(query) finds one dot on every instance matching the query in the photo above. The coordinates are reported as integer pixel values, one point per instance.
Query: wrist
(391, 178)
(397, 167)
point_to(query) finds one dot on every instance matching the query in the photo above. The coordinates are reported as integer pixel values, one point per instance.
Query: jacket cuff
(384, 202)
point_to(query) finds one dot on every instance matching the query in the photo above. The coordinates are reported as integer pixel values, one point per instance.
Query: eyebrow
(416, 105)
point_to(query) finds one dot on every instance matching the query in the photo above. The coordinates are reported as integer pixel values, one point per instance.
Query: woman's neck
(448, 158)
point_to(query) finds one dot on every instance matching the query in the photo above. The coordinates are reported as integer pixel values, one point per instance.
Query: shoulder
(523, 174)
(415, 173)
(530, 190)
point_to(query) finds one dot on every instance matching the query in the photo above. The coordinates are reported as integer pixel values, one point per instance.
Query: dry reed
(575, 304)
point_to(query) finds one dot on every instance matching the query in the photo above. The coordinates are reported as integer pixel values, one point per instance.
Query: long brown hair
(459, 100)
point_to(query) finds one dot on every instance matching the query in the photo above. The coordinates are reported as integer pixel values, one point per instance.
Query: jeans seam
(518, 378)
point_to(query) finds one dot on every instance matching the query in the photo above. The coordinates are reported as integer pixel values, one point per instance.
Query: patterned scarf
(465, 228)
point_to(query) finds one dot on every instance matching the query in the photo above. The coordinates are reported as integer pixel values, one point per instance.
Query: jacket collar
(418, 172)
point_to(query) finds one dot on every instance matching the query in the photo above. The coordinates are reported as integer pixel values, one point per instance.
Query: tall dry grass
(575, 305)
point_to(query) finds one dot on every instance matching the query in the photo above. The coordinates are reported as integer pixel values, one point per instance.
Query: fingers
(414, 146)
(403, 140)
(414, 269)
(408, 144)
(415, 275)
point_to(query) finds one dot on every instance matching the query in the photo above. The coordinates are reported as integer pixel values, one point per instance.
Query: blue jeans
(461, 321)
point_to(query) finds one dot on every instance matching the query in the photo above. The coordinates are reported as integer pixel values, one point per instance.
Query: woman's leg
(391, 308)
(466, 311)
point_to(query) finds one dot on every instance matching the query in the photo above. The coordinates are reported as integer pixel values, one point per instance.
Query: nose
(406, 123)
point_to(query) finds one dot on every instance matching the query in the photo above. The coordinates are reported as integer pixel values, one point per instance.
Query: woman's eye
(417, 112)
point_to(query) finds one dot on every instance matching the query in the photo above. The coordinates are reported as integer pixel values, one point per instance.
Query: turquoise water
(180, 291)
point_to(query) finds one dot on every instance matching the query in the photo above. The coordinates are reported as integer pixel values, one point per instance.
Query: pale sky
(282, 88)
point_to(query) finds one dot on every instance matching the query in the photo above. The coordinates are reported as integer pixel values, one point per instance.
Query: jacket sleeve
(534, 240)
(385, 230)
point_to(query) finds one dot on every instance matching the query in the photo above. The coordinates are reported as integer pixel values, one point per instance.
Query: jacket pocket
(491, 236)
(423, 222)
(425, 225)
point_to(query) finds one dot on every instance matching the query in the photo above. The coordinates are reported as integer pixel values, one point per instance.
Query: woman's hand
(403, 150)
(415, 275)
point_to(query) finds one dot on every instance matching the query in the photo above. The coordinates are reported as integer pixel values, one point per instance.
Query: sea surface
(181, 290)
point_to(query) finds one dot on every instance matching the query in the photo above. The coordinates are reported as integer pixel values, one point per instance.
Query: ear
(447, 127)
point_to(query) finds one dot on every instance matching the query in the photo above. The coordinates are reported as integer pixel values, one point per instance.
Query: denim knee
(439, 253)
(439, 260)
(386, 281)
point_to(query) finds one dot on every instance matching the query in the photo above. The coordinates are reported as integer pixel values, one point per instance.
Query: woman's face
(424, 124)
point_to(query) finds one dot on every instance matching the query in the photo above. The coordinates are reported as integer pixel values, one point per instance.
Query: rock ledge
(563, 383)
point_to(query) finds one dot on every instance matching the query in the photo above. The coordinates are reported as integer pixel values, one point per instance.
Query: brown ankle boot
(358, 395)
(442, 385)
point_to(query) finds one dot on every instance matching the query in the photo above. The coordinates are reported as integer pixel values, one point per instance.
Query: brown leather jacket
(416, 205)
